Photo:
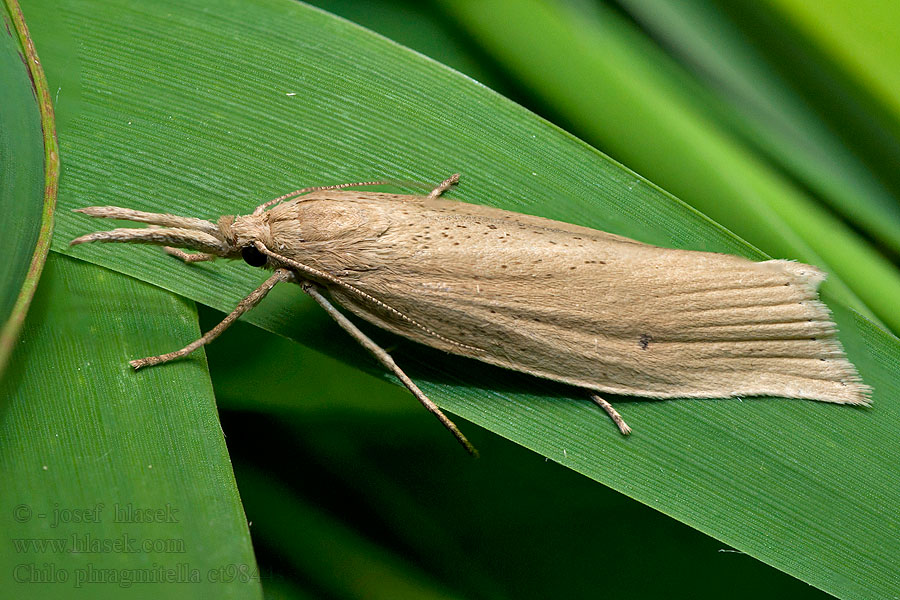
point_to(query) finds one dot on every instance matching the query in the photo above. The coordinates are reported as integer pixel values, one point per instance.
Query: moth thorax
(324, 220)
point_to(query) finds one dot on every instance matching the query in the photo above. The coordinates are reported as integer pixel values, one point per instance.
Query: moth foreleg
(444, 185)
(612, 412)
(243, 306)
(385, 359)
(188, 257)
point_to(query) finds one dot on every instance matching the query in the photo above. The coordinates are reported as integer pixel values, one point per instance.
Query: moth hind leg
(612, 412)
(444, 186)
(385, 359)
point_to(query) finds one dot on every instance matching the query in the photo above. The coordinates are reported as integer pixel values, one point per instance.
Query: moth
(598, 311)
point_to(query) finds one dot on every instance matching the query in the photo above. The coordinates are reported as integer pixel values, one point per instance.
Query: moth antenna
(160, 219)
(184, 238)
(262, 207)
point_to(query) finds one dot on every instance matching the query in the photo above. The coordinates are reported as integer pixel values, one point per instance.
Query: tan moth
(595, 310)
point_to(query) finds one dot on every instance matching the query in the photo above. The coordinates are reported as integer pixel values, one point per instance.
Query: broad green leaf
(115, 484)
(202, 109)
(27, 188)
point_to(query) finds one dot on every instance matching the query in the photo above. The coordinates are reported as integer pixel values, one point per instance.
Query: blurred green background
(779, 120)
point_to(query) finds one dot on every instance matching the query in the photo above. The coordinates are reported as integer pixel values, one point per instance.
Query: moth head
(164, 230)
(246, 234)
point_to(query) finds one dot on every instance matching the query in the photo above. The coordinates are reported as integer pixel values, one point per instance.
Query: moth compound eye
(253, 257)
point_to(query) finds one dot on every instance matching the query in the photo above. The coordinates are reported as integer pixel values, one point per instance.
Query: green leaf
(27, 184)
(178, 107)
(111, 476)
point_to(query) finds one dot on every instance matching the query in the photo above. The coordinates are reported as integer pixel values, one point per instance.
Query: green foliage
(27, 213)
(114, 484)
(207, 109)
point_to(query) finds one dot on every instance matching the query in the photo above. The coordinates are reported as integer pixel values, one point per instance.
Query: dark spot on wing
(645, 340)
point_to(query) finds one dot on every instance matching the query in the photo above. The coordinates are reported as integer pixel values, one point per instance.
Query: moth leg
(612, 412)
(385, 359)
(188, 257)
(444, 185)
(243, 306)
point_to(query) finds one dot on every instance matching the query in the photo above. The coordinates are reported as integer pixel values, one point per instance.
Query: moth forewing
(568, 303)
(572, 304)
